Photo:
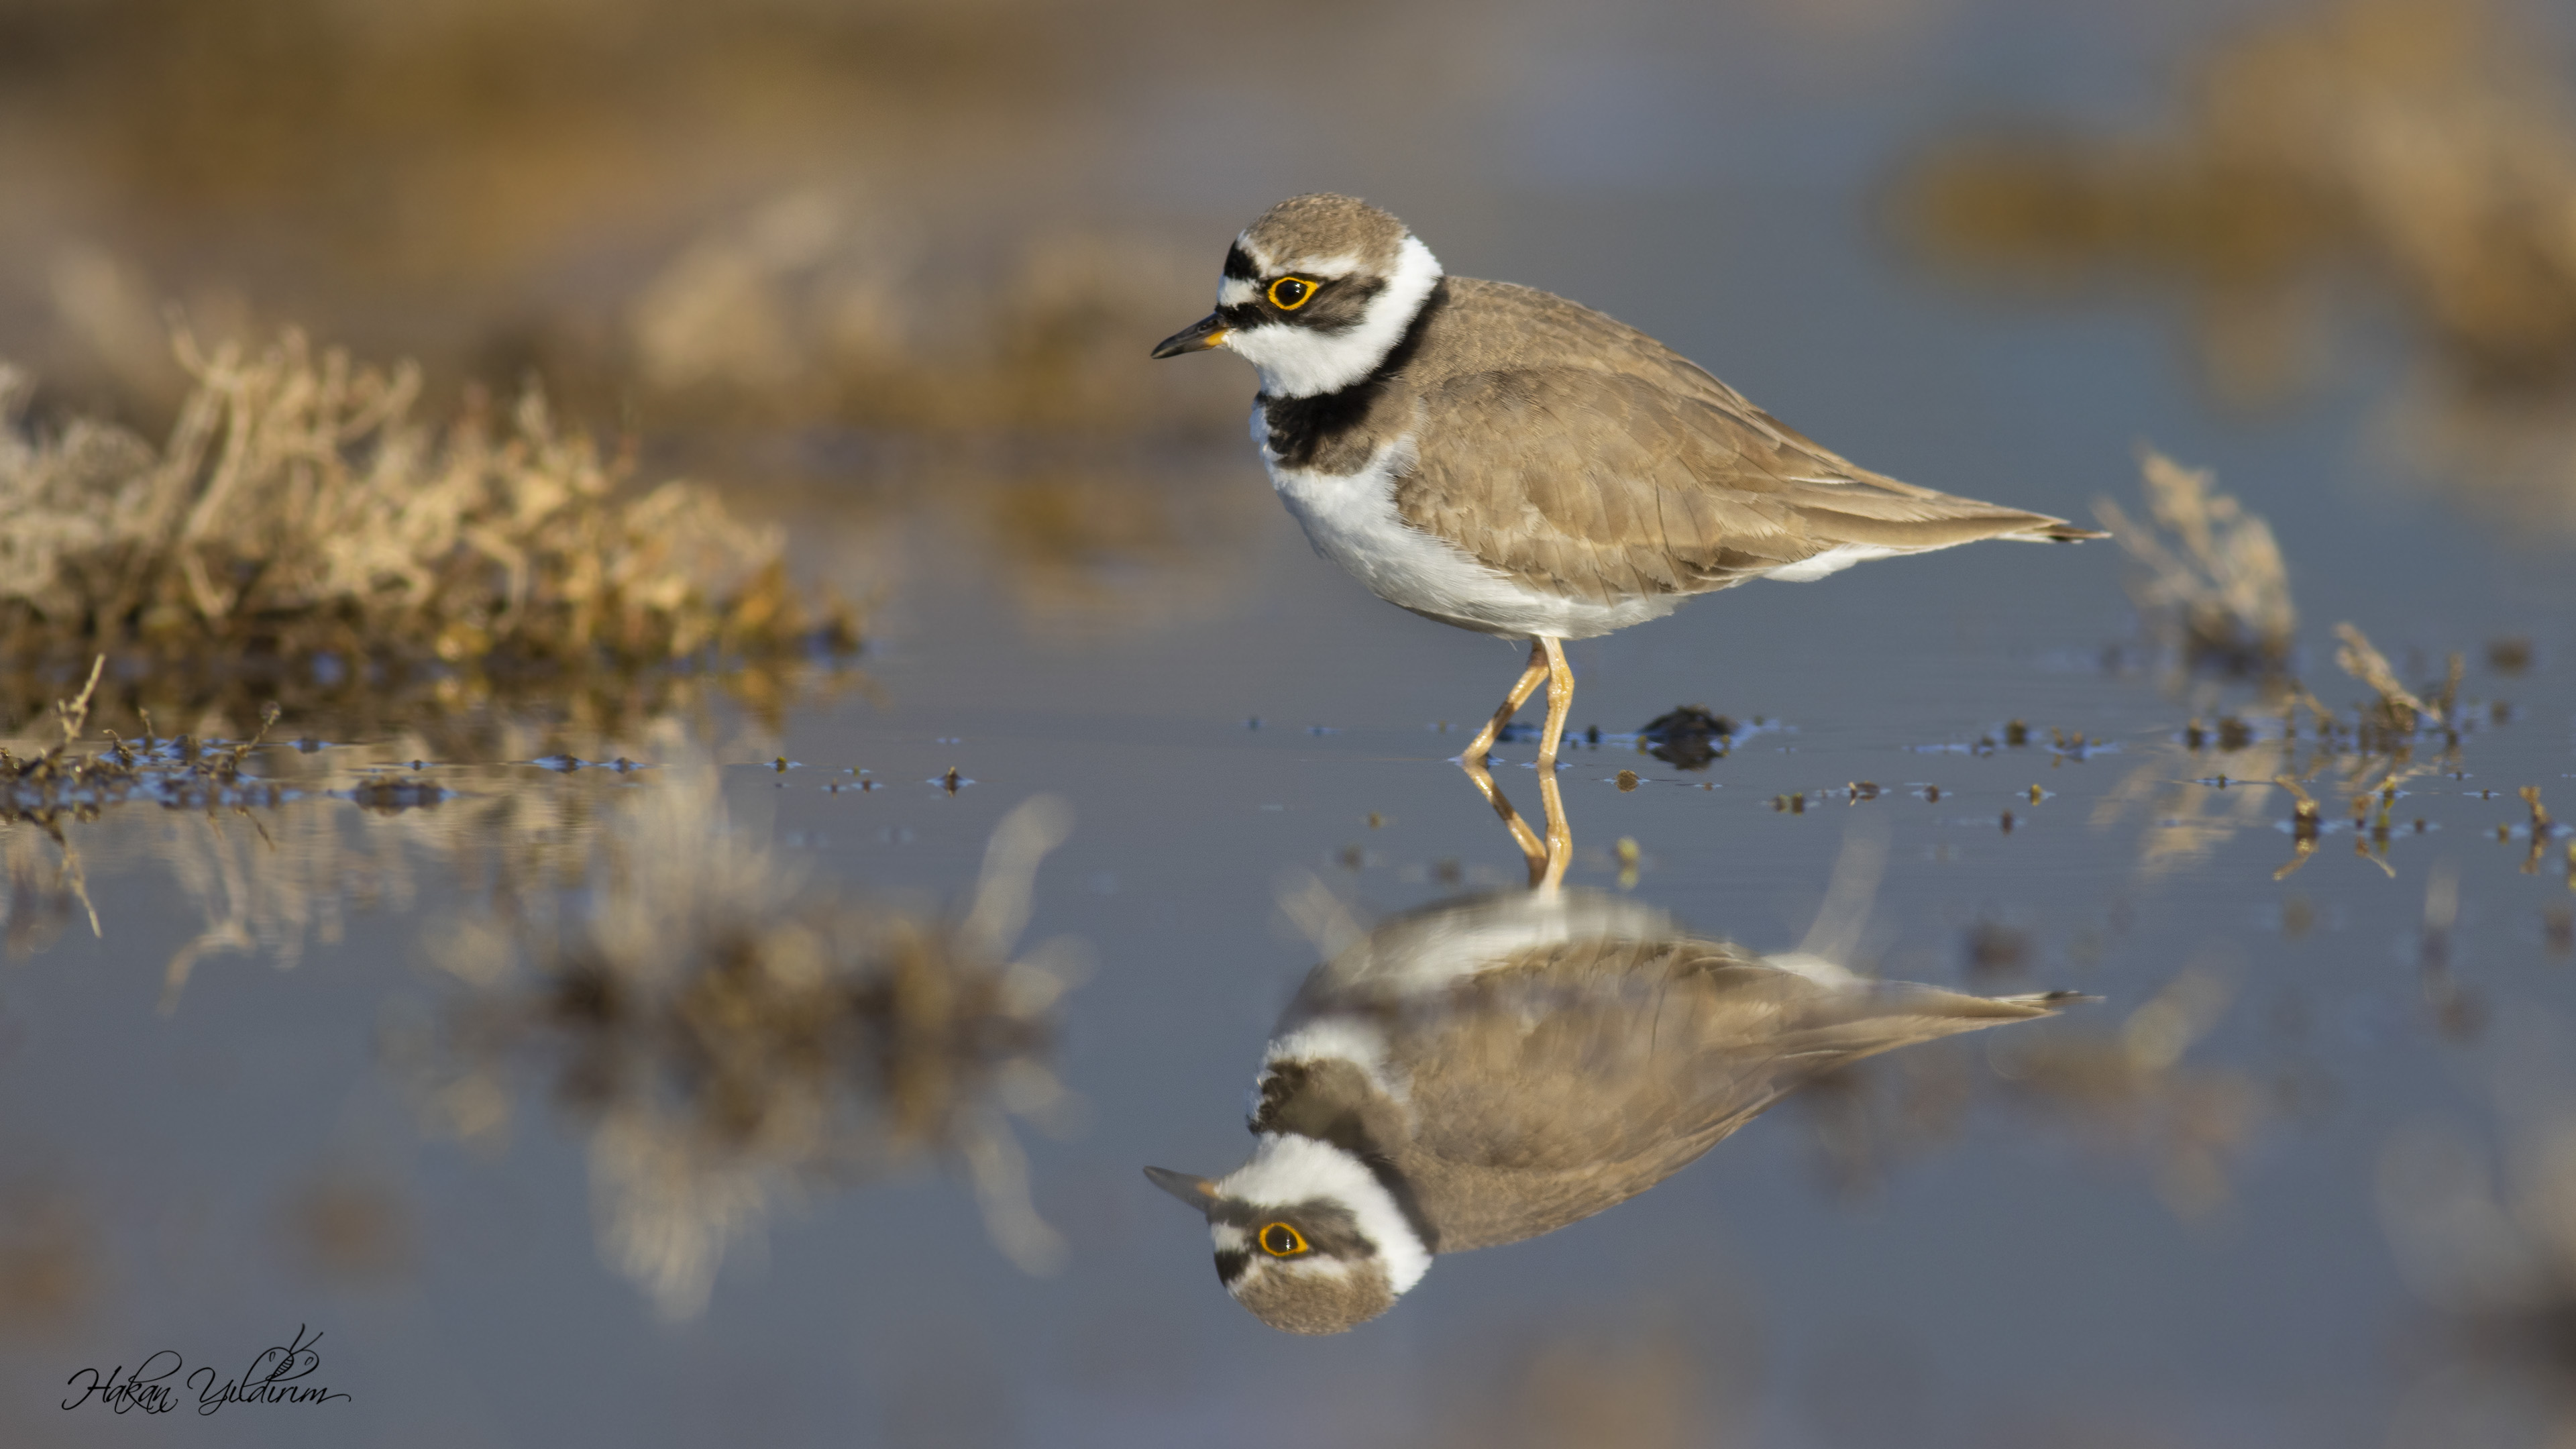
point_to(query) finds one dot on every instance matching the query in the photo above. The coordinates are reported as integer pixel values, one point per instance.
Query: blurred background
(882, 277)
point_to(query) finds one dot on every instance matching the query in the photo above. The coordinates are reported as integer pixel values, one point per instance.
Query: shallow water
(1982, 1244)
(2295, 1178)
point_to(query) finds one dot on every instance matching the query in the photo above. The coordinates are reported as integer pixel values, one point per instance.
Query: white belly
(1351, 519)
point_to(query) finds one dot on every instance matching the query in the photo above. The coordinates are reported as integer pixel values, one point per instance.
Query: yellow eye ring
(1280, 1240)
(1288, 294)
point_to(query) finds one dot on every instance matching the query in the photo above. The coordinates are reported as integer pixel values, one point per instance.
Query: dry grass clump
(300, 521)
(2393, 718)
(732, 1037)
(2434, 141)
(2218, 592)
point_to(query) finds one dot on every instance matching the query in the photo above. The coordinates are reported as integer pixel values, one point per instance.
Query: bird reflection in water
(1498, 1066)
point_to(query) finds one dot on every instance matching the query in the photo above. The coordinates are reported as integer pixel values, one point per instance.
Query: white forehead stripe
(1298, 361)
(1286, 1170)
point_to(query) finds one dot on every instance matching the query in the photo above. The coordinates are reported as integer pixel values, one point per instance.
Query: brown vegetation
(301, 530)
(2218, 593)
(2415, 154)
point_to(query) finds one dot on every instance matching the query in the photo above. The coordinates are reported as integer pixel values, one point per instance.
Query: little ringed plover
(1499, 458)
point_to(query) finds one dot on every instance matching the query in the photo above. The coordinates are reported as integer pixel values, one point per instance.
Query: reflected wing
(1588, 1073)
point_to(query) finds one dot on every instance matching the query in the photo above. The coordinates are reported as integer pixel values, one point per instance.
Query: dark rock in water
(1689, 737)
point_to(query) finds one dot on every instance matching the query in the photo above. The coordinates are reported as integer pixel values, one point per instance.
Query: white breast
(1351, 519)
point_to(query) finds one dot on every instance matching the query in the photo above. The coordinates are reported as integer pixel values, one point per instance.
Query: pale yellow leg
(1560, 703)
(1483, 744)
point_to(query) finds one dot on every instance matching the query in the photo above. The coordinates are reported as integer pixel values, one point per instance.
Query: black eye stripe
(1238, 264)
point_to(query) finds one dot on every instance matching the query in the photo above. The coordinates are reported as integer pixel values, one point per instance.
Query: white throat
(1301, 362)
(1287, 1169)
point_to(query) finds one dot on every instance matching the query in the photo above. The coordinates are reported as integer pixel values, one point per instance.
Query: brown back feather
(1590, 460)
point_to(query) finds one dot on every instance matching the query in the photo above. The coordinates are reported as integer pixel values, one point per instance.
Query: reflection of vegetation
(2494, 1251)
(254, 834)
(301, 526)
(2128, 1093)
(1642, 1379)
(48, 1260)
(2428, 146)
(730, 1035)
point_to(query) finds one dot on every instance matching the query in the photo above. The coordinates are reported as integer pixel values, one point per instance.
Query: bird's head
(1306, 1236)
(1316, 294)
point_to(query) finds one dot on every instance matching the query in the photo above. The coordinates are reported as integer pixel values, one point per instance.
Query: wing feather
(1592, 483)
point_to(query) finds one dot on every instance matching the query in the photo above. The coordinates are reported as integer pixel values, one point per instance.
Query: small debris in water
(952, 782)
(1627, 780)
(1376, 821)
(1992, 948)
(2509, 655)
(2037, 794)
(395, 795)
(1688, 737)
(1252, 722)
(1932, 794)
(2016, 734)
(2008, 822)
(1863, 790)
(2558, 931)
(1789, 804)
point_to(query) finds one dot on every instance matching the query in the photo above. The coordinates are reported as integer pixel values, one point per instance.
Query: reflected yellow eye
(1282, 1241)
(1288, 294)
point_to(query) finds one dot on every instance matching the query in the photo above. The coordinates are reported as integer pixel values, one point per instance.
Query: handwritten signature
(270, 1379)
